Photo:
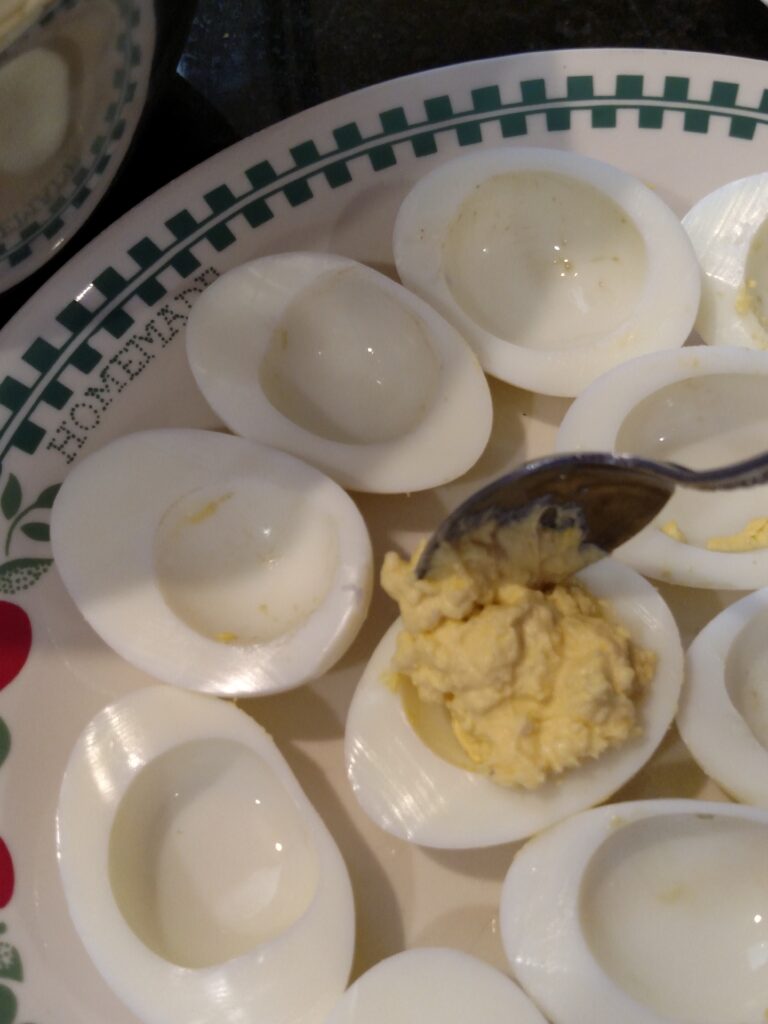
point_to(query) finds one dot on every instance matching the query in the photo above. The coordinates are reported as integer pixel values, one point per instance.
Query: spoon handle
(741, 474)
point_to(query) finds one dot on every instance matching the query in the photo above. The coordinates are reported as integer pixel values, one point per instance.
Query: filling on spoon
(508, 666)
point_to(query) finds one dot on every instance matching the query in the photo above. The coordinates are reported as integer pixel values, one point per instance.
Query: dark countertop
(227, 68)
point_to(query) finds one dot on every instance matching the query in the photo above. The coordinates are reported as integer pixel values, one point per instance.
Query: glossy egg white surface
(212, 562)
(723, 715)
(328, 359)
(650, 912)
(729, 232)
(35, 104)
(434, 986)
(701, 407)
(554, 266)
(199, 877)
(414, 794)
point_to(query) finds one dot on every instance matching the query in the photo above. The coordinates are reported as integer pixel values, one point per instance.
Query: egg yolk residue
(752, 537)
(748, 300)
(672, 529)
(534, 677)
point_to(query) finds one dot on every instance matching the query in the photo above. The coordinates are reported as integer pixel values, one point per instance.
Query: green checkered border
(101, 149)
(263, 183)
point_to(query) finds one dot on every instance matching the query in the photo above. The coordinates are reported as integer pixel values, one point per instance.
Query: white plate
(99, 352)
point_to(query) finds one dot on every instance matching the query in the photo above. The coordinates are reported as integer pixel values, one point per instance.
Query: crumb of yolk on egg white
(748, 301)
(672, 529)
(529, 669)
(751, 538)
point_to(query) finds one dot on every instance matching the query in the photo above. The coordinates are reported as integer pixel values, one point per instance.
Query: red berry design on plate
(15, 641)
(6, 875)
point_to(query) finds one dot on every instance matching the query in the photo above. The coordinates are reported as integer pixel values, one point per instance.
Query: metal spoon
(610, 497)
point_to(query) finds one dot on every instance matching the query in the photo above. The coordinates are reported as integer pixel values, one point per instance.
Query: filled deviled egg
(493, 709)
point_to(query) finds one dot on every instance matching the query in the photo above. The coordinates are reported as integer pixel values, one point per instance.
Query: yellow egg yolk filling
(533, 678)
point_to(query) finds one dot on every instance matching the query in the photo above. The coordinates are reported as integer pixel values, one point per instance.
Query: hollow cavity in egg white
(554, 266)
(199, 877)
(215, 563)
(703, 422)
(723, 714)
(729, 232)
(543, 260)
(328, 359)
(244, 562)
(681, 877)
(348, 362)
(746, 671)
(411, 792)
(208, 857)
(702, 407)
(34, 109)
(649, 913)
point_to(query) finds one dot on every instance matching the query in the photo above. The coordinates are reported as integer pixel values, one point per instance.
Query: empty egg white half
(729, 232)
(332, 361)
(434, 986)
(651, 912)
(16, 16)
(723, 714)
(554, 266)
(701, 407)
(34, 109)
(200, 879)
(413, 793)
(212, 562)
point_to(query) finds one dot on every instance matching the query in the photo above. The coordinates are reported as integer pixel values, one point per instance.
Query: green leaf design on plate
(10, 962)
(8, 1005)
(10, 499)
(46, 497)
(20, 574)
(10, 503)
(5, 746)
(37, 531)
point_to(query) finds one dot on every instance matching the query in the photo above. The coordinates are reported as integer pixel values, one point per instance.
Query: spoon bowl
(609, 497)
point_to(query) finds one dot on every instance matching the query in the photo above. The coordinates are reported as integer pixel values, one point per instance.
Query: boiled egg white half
(16, 16)
(414, 794)
(34, 109)
(200, 879)
(651, 912)
(434, 986)
(212, 562)
(729, 232)
(723, 714)
(554, 266)
(701, 407)
(328, 359)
